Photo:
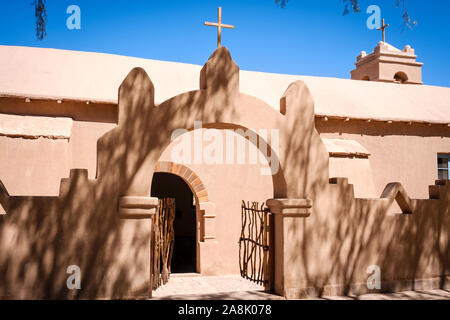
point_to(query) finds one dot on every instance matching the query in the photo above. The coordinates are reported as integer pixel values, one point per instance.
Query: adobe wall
(40, 237)
(48, 160)
(35, 167)
(388, 71)
(329, 250)
(371, 70)
(80, 225)
(74, 222)
(333, 248)
(77, 110)
(399, 152)
(359, 172)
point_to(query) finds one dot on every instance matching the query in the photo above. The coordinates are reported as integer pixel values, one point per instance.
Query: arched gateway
(145, 131)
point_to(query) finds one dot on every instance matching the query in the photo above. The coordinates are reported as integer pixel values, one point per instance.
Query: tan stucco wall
(329, 252)
(388, 71)
(399, 152)
(77, 110)
(41, 237)
(396, 151)
(35, 167)
(359, 173)
(371, 70)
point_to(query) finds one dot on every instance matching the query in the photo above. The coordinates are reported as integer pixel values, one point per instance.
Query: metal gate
(162, 242)
(254, 249)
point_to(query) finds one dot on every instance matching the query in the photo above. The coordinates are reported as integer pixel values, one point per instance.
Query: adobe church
(350, 175)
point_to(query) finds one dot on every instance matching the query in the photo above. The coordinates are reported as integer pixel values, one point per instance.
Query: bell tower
(388, 64)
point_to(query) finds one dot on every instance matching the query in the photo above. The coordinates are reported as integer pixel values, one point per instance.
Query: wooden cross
(383, 28)
(219, 26)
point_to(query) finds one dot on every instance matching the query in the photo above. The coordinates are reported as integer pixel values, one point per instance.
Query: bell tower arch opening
(400, 77)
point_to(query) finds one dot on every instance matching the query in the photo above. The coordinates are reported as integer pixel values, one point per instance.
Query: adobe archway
(128, 155)
(205, 210)
(206, 213)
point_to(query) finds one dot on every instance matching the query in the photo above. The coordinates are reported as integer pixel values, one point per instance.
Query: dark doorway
(166, 185)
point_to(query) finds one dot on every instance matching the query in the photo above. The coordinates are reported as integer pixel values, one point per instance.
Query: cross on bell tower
(383, 28)
(219, 26)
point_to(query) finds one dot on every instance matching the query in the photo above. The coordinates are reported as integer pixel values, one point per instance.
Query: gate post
(131, 210)
(287, 213)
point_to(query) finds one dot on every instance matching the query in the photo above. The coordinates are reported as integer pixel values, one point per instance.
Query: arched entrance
(168, 185)
(130, 153)
(194, 223)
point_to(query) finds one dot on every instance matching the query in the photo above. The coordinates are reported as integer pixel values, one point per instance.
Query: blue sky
(306, 38)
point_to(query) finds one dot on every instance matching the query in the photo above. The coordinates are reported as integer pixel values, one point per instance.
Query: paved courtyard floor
(196, 287)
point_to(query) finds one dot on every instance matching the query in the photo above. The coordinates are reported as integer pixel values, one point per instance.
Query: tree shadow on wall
(332, 249)
(344, 236)
(40, 237)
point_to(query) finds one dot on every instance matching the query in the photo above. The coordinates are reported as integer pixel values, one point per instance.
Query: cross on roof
(219, 26)
(383, 28)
